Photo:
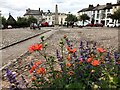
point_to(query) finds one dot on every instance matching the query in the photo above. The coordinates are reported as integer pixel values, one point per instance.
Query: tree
(31, 19)
(84, 17)
(71, 18)
(115, 16)
(4, 21)
(22, 22)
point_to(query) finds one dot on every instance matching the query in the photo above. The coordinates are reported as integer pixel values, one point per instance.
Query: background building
(35, 13)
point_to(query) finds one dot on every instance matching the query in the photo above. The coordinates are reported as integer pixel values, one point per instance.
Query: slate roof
(118, 4)
(100, 7)
(33, 12)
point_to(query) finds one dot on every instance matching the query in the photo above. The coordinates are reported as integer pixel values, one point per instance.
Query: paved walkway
(15, 51)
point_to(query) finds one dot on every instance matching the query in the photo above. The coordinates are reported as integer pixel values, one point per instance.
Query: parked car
(98, 25)
(90, 25)
(34, 26)
(9, 27)
(117, 24)
(44, 24)
(111, 24)
(50, 24)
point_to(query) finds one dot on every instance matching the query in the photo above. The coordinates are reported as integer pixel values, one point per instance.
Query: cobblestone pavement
(15, 51)
(105, 37)
(10, 36)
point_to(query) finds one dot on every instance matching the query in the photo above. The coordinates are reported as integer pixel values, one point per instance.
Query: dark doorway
(103, 22)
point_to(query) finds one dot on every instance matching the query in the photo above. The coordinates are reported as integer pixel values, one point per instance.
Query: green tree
(71, 18)
(22, 22)
(4, 21)
(84, 17)
(31, 19)
(115, 16)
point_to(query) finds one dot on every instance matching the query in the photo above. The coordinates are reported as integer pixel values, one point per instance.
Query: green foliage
(22, 22)
(84, 17)
(31, 19)
(115, 16)
(71, 17)
(4, 21)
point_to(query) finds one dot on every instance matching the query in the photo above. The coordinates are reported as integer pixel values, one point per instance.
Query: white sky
(18, 7)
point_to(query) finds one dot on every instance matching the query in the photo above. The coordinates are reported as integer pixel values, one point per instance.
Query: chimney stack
(39, 9)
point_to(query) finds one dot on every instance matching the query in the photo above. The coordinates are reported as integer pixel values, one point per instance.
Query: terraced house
(48, 16)
(100, 13)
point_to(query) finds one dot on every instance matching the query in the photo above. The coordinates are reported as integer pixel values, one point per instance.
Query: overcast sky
(18, 7)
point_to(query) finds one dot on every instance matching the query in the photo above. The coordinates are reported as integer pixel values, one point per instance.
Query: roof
(33, 12)
(90, 8)
(100, 7)
(118, 4)
(84, 9)
(11, 18)
(52, 13)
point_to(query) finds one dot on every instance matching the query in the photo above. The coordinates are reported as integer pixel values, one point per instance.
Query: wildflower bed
(65, 63)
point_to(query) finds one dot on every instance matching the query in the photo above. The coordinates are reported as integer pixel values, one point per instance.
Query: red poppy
(31, 48)
(41, 70)
(35, 47)
(89, 60)
(95, 62)
(101, 50)
(33, 67)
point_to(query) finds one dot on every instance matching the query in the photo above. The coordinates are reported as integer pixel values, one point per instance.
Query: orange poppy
(41, 70)
(70, 73)
(89, 60)
(38, 46)
(101, 50)
(68, 64)
(73, 50)
(95, 62)
(33, 78)
(68, 48)
(37, 63)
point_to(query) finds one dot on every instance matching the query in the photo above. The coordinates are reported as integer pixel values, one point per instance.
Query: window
(108, 10)
(97, 15)
(107, 22)
(96, 21)
(98, 12)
